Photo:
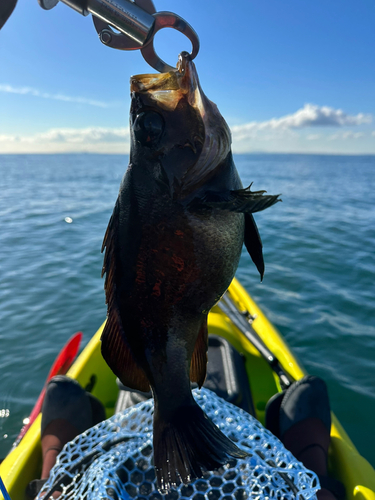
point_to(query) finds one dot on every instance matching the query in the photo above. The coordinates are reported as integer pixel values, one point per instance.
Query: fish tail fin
(187, 443)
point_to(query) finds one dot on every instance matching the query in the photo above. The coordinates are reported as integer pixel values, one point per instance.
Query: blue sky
(288, 76)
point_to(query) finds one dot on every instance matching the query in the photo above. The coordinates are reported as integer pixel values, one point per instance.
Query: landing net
(113, 461)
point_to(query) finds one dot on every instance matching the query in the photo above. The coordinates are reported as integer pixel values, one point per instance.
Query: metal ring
(168, 20)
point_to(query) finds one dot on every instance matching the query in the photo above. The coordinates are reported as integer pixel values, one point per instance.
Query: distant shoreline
(252, 153)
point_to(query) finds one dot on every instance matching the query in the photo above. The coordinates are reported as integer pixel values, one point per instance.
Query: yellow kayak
(345, 463)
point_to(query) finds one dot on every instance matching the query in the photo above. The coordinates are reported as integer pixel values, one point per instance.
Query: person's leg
(309, 440)
(68, 410)
(301, 418)
(54, 438)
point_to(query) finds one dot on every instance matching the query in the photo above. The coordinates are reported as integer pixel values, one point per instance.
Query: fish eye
(148, 128)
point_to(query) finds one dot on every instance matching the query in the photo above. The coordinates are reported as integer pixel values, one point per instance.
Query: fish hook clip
(137, 22)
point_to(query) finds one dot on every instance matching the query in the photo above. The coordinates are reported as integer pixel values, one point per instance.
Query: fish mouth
(167, 89)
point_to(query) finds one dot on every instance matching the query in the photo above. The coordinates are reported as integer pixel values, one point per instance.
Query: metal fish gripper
(137, 22)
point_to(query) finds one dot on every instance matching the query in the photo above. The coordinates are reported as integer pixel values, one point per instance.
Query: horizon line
(62, 153)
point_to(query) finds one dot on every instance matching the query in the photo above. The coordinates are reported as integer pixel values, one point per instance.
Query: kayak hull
(345, 463)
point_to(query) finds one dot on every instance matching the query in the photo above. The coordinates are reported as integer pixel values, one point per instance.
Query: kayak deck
(345, 463)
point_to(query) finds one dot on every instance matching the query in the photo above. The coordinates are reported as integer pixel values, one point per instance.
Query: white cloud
(86, 135)
(313, 137)
(346, 135)
(96, 139)
(310, 115)
(9, 89)
(291, 133)
(288, 133)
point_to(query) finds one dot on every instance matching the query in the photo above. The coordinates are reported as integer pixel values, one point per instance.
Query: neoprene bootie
(301, 418)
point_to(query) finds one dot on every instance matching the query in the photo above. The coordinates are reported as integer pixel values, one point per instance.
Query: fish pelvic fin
(198, 366)
(253, 244)
(114, 348)
(187, 444)
(240, 200)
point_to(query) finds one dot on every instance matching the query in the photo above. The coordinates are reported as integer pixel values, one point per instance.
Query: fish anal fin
(240, 200)
(198, 367)
(253, 244)
(119, 357)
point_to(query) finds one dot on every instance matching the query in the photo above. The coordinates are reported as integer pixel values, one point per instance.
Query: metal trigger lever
(137, 22)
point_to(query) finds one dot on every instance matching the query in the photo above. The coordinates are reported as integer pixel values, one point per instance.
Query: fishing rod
(241, 320)
(4, 490)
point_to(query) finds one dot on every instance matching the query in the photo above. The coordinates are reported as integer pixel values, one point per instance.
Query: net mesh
(113, 461)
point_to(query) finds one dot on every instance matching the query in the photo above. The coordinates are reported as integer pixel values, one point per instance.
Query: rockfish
(172, 247)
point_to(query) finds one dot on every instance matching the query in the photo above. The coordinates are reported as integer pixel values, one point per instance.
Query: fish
(172, 247)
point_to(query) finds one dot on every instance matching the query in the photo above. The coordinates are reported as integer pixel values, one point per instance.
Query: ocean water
(318, 290)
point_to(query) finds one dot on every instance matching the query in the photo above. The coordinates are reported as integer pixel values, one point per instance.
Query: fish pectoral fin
(240, 200)
(119, 357)
(115, 349)
(253, 244)
(198, 366)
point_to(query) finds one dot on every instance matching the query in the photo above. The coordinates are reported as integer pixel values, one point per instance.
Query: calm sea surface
(319, 286)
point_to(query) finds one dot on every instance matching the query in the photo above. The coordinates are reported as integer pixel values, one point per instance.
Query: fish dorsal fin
(115, 349)
(198, 367)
